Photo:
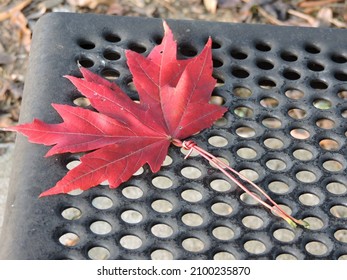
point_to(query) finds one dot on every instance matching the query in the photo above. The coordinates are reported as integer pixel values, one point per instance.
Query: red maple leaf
(123, 135)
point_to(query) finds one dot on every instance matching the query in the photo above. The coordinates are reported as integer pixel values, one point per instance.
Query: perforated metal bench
(286, 90)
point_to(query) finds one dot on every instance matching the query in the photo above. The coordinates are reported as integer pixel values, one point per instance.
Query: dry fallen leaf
(91, 4)
(5, 58)
(324, 17)
(211, 5)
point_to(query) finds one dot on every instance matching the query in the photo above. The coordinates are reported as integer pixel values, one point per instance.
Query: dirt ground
(18, 17)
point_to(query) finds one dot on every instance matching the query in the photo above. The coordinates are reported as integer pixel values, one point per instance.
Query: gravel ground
(6, 152)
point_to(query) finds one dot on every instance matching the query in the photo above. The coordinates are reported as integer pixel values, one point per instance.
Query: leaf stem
(229, 172)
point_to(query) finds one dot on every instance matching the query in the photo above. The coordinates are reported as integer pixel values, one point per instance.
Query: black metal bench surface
(285, 88)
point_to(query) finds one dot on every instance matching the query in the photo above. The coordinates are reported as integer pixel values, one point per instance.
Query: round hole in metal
(220, 80)
(191, 195)
(316, 248)
(82, 102)
(341, 235)
(342, 94)
(223, 233)
(243, 112)
(338, 58)
(242, 92)
(217, 141)
(246, 153)
(288, 56)
(102, 202)
(111, 55)
(139, 171)
(336, 188)
(214, 165)
(216, 45)
(73, 164)
(192, 219)
(245, 131)
(217, 100)
(136, 47)
(332, 165)
(162, 230)
(272, 123)
(322, 104)
(252, 222)
(98, 253)
(132, 192)
(285, 208)
(284, 235)
(294, 94)
(187, 50)
(278, 187)
(220, 185)
(273, 143)
(223, 256)
(75, 192)
(185, 152)
(85, 62)
(85, 44)
(266, 83)
(162, 182)
(222, 122)
(100, 227)
(161, 254)
(300, 133)
(269, 102)
(262, 46)
(286, 256)
(168, 160)
(131, 85)
(221, 208)
(315, 223)
(339, 211)
(193, 244)
(191, 172)
(265, 64)
(251, 174)
(217, 62)
(162, 205)
(110, 74)
(310, 48)
(131, 242)
(315, 66)
(254, 247)
(112, 38)
(239, 72)
(248, 199)
(238, 54)
(309, 199)
(318, 84)
(297, 113)
(303, 154)
(276, 164)
(306, 176)
(69, 239)
(325, 123)
(71, 213)
(290, 74)
(131, 216)
(329, 144)
(340, 76)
